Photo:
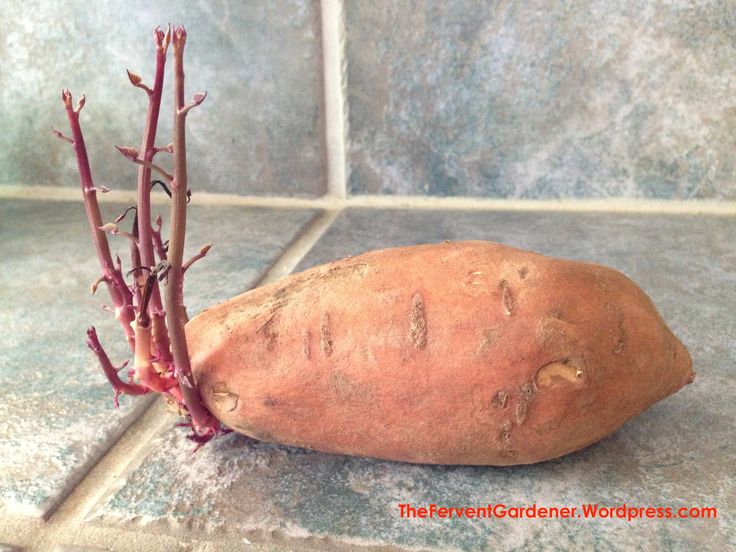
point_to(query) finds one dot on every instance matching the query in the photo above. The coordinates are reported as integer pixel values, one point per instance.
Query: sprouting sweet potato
(454, 353)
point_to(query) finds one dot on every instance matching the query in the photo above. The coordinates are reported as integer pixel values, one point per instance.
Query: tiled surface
(501, 99)
(260, 131)
(586, 98)
(678, 453)
(56, 412)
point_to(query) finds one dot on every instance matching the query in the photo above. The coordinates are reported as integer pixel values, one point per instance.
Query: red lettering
(590, 510)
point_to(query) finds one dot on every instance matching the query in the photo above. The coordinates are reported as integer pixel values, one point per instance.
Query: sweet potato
(454, 353)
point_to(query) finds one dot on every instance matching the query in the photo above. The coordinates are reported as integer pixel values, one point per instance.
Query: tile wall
(536, 99)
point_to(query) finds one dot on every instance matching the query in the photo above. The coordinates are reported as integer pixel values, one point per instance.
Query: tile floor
(57, 421)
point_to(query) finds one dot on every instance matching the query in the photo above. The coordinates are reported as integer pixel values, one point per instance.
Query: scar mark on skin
(600, 281)
(621, 340)
(520, 412)
(325, 336)
(557, 373)
(499, 400)
(488, 338)
(506, 298)
(418, 323)
(222, 395)
(267, 331)
(306, 345)
(527, 390)
(620, 346)
(523, 272)
(473, 278)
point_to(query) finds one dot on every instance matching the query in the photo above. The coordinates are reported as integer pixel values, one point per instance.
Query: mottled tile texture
(537, 99)
(678, 453)
(56, 411)
(260, 130)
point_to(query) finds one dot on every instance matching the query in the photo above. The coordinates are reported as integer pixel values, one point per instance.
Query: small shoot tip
(129, 152)
(61, 135)
(95, 284)
(110, 227)
(135, 79)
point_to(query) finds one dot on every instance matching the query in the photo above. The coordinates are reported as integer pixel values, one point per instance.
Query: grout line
(611, 205)
(66, 520)
(298, 249)
(334, 69)
(137, 412)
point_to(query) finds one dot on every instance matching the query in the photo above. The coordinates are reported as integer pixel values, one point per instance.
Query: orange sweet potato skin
(454, 353)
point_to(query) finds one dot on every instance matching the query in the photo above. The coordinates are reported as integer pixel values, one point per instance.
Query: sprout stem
(110, 372)
(203, 423)
(121, 296)
(148, 150)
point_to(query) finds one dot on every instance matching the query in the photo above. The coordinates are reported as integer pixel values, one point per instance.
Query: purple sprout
(153, 325)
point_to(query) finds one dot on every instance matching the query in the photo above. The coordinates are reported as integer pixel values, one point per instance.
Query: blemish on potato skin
(269, 334)
(520, 412)
(223, 396)
(527, 391)
(500, 399)
(475, 283)
(600, 281)
(520, 402)
(307, 345)
(417, 322)
(620, 346)
(347, 269)
(621, 338)
(346, 388)
(325, 335)
(488, 338)
(507, 299)
(523, 272)
(557, 373)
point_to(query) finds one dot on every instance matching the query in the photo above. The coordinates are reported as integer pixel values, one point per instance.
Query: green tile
(260, 131)
(541, 99)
